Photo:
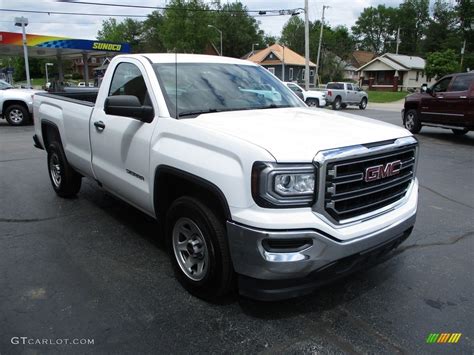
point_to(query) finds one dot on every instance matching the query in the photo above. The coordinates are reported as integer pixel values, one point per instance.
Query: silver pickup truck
(16, 105)
(340, 95)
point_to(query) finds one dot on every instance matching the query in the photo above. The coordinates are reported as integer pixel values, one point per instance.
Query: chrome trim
(443, 114)
(323, 158)
(442, 126)
(251, 259)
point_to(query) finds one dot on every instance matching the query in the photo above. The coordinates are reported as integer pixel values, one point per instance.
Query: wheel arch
(171, 183)
(49, 132)
(8, 103)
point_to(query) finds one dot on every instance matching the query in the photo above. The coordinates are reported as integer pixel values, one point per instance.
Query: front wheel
(460, 132)
(363, 104)
(312, 102)
(412, 122)
(66, 182)
(17, 115)
(337, 104)
(197, 243)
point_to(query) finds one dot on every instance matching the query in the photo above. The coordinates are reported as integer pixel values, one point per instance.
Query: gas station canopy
(40, 46)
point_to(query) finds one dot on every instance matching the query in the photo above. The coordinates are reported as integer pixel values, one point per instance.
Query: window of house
(417, 75)
(290, 76)
(462, 83)
(128, 80)
(93, 60)
(271, 70)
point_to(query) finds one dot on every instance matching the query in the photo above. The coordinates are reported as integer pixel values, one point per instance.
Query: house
(283, 62)
(93, 63)
(356, 60)
(393, 72)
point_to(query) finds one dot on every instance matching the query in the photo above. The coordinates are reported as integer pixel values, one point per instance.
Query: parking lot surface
(95, 268)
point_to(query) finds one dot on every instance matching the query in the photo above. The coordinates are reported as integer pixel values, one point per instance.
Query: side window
(462, 83)
(349, 87)
(442, 86)
(128, 80)
(293, 87)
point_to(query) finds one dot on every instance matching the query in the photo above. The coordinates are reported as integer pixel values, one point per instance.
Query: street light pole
(306, 44)
(23, 22)
(46, 65)
(220, 32)
(316, 74)
(253, 47)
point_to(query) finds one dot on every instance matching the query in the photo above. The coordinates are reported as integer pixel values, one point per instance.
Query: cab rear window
(335, 86)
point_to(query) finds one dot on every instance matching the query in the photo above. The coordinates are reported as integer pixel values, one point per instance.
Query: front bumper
(269, 274)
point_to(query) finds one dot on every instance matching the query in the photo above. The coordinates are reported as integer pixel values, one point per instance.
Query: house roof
(398, 62)
(359, 58)
(280, 52)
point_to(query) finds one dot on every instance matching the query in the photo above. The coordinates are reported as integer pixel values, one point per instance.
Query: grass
(386, 96)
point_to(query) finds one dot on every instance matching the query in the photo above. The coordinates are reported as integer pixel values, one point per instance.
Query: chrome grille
(348, 194)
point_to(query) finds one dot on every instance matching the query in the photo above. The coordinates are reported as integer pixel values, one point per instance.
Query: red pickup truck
(449, 103)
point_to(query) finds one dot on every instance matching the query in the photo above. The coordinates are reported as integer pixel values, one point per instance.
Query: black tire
(411, 121)
(17, 115)
(217, 278)
(363, 103)
(336, 105)
(344, 105)
(312, 102)
(460, 132)
(66, 182)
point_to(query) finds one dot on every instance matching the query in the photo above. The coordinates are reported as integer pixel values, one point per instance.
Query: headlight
(283, 185)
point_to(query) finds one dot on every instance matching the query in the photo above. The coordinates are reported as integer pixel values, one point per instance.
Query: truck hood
(23, 93)
(298, 134)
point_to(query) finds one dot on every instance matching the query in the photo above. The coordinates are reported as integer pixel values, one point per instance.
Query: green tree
(240, 30)
(439, 64)
(151, 33)
(376, 28)
(292, 34)
(443, 29)
(129, 30)
(413, 18)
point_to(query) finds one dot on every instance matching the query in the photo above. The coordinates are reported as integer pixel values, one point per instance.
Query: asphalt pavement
(94, 268)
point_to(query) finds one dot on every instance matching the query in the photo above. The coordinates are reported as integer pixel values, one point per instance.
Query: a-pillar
(85, 59)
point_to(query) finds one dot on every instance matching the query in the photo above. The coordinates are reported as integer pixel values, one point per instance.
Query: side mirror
(128, 106)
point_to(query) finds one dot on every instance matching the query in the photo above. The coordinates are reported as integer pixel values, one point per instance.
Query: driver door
(121, 145)
(433, 105)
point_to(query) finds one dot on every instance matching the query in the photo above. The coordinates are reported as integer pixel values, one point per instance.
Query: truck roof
(189, 58)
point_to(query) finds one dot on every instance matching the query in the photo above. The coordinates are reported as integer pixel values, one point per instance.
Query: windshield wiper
(273, 106)
(197, 112)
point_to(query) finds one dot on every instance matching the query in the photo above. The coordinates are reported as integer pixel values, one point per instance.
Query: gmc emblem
(382, 171)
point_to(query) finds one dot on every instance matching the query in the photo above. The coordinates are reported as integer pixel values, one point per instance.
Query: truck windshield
(191, 89)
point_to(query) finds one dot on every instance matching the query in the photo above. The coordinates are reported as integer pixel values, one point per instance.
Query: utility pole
(463, 49)
(316, 75)
(306, 44)
(23, 22)
(398, 39)
(283, 65)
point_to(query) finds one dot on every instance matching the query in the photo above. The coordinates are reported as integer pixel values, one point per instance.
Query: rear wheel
(460, 132)
(197, 243)
(363, 104)
(66, 182)
(312, 102)
(17, 115)
(336, 105)
(411, 121)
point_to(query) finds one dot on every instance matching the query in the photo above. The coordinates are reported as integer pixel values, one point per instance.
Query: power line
(260, 12)
(69, 13)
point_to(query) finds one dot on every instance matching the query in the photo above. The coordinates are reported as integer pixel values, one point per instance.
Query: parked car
(312, 98)
(447, 104)
(258, 189)
(340, 95)
(16, 105)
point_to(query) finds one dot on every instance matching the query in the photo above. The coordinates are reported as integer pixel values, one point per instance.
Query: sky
(341, 12)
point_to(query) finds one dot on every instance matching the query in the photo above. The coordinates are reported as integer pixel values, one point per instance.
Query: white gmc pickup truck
(253, 189)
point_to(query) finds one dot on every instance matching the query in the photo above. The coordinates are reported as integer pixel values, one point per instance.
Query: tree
(151, 33)
(439, 64)
(292, 34)
(376, 28)
(443, 29)
(240, 30)
(413, 19)
(129, 30)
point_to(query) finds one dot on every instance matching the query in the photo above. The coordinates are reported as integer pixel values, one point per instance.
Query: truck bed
(79, 96)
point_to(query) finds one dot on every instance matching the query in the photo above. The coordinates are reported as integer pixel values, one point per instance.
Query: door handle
(99, 125)
(440, 97)
(463, 97)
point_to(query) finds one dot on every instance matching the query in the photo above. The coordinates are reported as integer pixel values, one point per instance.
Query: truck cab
(448, 104)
